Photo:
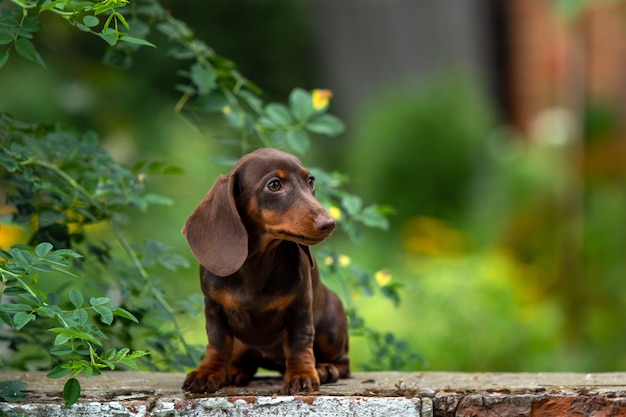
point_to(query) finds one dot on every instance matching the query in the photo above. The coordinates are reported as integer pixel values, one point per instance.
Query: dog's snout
(325, 224)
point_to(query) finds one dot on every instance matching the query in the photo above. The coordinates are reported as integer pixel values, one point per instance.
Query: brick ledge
(419, 394)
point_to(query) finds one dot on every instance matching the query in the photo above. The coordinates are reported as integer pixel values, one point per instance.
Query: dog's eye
(311, 182)
(274, 185)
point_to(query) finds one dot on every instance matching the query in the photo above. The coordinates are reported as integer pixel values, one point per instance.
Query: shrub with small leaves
(60, 182)
(78, 341)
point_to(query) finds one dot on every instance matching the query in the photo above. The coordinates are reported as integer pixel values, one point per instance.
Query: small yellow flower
(335, 212)
(383, 277)
(321, 98)
(11, 235)
(356, 295)
(328, 260)
(226, 109)
(343, 261)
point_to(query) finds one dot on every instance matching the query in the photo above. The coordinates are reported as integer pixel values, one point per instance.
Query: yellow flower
(343, 260)
(328, 260)
(11, 235)
(225, 109)
(335, 212)
(321, 98)
(383, 277)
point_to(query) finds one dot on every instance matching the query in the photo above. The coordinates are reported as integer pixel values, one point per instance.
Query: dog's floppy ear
(215, 232)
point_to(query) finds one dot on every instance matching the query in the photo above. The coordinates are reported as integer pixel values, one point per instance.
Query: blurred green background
(509, 237)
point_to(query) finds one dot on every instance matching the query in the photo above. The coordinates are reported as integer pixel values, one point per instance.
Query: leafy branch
(76, 336)
(19, 23)
(61, 182)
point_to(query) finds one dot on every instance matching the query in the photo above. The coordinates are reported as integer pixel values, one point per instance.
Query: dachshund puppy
(265, 305)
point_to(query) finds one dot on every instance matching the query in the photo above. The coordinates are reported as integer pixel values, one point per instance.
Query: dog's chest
(251, 310)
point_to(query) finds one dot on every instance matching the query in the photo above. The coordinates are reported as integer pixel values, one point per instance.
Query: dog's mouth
(303, 240)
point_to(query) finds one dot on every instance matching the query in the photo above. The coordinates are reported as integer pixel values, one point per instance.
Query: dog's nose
(325, 224)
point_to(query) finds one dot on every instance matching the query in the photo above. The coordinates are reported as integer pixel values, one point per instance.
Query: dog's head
(268, 194)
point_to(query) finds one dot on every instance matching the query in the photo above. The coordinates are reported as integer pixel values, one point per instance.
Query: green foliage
(387, 350)
(76, 336)
(102, 18)
(62, 184)
(428, 137)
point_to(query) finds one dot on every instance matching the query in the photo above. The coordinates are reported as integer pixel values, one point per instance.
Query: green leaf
(71, 391)
(15, 307)
(326, 124)
(14, 291)
(68, 253)
(120, 18)
(61, 350)
(351, 203)
(109, 355)
(298, 140)
(122, 353)
(5, 318)
(52, 299)
(75, 334)
(118, 311)
(91, 21)
(106, 315)
(6, 37)
(76, 298)
(26, 50)
(266, 122)
(45, 311)
(129, 362)
(98, 301)
(43, 249)
(158, 200)
(253, 101)
(42, 267)
(59, 371)
(371, 216)
(203, 77)
(109, 36)
(21, 319)
(11, 391)
(278, 114)
(136, 41)
(84, 28)
(61, 338)
(279, 139)
(4, 57)
(301, 104)
(23, 258)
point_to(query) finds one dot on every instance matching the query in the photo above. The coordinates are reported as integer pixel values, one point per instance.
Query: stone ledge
(385, 394)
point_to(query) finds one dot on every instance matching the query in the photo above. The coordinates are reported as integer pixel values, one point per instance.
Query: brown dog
(264, 303)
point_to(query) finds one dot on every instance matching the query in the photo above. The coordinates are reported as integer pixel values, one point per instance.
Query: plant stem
(71, 181)
(155, 293)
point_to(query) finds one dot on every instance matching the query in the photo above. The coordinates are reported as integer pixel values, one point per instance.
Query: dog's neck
(261, 267)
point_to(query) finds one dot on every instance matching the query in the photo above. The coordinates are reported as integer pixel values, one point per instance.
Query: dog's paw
(327, 372)
(204, 380)
(300, 382)
(239, 377)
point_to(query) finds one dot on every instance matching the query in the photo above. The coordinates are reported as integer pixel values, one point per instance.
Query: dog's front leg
(300, 374)
(212, 372)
